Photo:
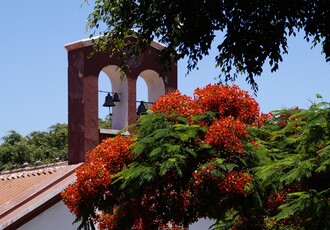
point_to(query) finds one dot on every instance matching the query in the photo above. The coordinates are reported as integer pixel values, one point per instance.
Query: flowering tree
(213, 155)
(190, 158)
(92, 190)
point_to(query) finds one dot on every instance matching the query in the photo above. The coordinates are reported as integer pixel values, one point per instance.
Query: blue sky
(33, 67)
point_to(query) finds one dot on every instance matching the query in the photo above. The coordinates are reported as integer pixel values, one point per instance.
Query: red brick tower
(83, 72)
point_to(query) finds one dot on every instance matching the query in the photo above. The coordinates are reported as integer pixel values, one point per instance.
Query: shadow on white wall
(202, 224)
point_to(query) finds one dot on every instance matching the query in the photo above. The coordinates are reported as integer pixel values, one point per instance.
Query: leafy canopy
(294, 166)
(254, 31)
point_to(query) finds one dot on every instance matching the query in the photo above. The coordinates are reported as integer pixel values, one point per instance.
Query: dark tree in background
(255, 31)
(38, 147)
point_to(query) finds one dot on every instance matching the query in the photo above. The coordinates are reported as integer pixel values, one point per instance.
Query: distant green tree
(58, 141)
(106, 123)
(38, 147)
(12, 138)
(40, 144)
(14, 151)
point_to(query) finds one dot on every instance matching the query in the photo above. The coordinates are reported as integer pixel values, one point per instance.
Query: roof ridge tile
(32, 171)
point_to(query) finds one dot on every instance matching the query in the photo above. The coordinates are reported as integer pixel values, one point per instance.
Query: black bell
(116, 97)
(141, 109)
(108, 101)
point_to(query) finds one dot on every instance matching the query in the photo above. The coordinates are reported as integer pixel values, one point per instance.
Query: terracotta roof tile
(26, 189)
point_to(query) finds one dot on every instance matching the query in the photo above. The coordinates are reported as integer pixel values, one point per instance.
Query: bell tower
(83, 73)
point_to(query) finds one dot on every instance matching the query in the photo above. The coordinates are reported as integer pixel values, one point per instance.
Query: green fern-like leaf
(172, 163)
(323, 167)
(303, 169)
(137, 174)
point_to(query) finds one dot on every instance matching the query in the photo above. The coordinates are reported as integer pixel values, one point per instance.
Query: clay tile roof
(25, 190)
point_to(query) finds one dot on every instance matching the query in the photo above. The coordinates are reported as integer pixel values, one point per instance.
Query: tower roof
(89, 42)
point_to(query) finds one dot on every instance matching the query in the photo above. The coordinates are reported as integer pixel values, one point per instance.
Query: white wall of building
(56, 217)
(202, 224)
(59, 217)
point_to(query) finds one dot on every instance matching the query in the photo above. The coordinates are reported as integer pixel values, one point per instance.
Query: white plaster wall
(119, 85)
(56, 217)
(155, 84)
(202, 224)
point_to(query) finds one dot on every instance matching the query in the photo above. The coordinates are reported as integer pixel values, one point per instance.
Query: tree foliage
(105, 123)
(255, 32)
(39, 147)
(294, 152)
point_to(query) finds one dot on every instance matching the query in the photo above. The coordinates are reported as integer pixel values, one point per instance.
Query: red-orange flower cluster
(95, 176)
(232, 183)
(283, 119)
(176, 103)
(109, 221)
(234, 109)
(228, 101)
(277, 199)
(224, 100)
(236, 182)
(227, 134)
